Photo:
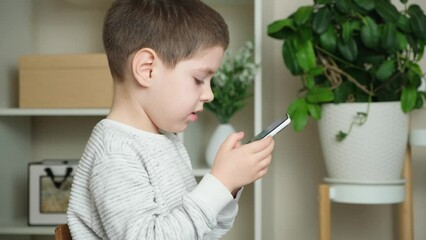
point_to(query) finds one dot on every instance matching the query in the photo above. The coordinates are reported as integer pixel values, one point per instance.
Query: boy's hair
(175, 29)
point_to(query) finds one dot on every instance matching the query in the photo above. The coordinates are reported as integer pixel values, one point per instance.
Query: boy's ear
(142, 66)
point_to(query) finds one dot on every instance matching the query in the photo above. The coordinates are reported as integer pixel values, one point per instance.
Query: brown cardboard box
(64, 81)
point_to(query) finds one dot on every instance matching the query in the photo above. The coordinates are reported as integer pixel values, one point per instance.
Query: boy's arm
(128, 209)
(226, 217)
(212, 194)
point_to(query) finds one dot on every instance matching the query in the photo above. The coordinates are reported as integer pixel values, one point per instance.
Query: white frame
(35, 171)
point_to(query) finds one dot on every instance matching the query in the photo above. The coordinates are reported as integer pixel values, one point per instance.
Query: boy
(134, 180)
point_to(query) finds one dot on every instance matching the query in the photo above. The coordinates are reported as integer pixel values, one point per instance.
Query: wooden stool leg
(405, 209)
(324, 208)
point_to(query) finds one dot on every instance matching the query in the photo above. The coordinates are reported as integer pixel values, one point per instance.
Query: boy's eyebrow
(207, 70)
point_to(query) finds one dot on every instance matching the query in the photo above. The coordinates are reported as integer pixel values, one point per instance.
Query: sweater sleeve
(211, 193)
(127, 209)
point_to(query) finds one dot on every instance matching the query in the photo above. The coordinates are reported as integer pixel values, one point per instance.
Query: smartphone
(272, 129)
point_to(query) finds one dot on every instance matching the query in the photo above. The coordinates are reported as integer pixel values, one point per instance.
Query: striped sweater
(132, 184)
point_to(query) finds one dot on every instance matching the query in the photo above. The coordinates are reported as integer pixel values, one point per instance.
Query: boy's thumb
(232, 140)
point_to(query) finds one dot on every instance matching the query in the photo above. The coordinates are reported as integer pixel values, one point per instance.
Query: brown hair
(174, 29)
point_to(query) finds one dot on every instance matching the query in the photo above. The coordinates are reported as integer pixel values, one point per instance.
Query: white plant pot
(371, 153)
(219, 135)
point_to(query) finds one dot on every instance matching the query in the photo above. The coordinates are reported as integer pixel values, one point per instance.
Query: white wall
(62, 27)
(15, 19)
(297, 169)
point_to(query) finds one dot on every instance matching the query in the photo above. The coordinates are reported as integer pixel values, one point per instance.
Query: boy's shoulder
(116, 137)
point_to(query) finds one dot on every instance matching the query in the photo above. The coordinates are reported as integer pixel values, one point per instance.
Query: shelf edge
(53, 112)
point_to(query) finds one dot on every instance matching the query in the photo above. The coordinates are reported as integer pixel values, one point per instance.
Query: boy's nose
(207, 95)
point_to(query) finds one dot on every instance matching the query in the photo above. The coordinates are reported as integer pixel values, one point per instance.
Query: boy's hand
(237, 165)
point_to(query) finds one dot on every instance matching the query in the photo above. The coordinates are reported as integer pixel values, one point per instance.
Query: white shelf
(199, 171)
(22, 228)
(53, 112)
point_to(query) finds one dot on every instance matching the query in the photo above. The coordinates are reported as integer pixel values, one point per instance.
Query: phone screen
(272, 129)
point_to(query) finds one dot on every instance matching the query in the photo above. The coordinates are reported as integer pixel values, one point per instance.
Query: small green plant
(232, 83)
(353, 51)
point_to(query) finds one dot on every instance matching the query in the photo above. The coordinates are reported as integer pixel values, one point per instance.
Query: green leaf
(373, 59)
(356, 25)
(346, 31)
(303, 14)
(295, 105)
(343, 5)
(419, 102)
(422, 44)
(314, 111)
(417, 46)
(323, 1)
(305, 56)
(305, 33)
(349, 49)
(402, 41)
(341, 136)
(315, 71)
(413, 44)
(319, 95)
(322, 20)
(289, 56)
(414, 78)
(385, 70)
(386, 10)
(278, 29)
(408, 98)
(388, 38)
(403, 23)
(365, 4)
(309, 81)
(370, 33)
(403, 1)
(328, 40)
(415, 9)
(415, 68)
(341, 93)
(298, 111)
(417, 21)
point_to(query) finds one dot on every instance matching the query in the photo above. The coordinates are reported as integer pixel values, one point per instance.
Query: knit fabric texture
(132, 184)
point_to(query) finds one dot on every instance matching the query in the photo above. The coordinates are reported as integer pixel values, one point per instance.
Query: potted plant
(231, 86)
(361, 54)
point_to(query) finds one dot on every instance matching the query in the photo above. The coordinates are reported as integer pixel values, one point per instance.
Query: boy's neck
(126, 109)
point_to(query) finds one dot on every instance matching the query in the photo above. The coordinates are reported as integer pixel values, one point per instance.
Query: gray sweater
(132, 184)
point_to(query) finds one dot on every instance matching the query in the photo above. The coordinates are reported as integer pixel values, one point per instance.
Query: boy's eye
(199, 81)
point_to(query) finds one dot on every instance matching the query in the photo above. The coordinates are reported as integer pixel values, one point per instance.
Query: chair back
(62, 232)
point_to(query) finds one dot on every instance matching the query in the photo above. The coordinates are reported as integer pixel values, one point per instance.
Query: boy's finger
(260, 145)
(232, 141)
(265, 152)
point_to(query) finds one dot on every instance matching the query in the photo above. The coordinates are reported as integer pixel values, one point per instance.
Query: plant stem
(359, 119)
(336, 68)
(336, 79)
(387, 82)
(353, 80)
(338, 59)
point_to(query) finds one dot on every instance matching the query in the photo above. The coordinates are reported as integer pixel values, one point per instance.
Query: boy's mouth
(193, 116)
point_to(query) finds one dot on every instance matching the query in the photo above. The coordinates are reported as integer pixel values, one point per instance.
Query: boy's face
(178, 94)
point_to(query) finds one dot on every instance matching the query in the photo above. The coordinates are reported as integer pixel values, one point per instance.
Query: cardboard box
(65, 81)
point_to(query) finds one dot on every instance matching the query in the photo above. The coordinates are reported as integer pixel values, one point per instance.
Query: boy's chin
(177, 129)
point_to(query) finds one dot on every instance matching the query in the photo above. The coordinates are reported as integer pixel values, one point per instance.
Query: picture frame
(49, 186)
